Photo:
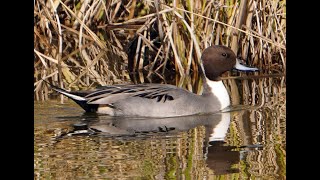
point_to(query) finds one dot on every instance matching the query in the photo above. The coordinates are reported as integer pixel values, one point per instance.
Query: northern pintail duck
(163, 100)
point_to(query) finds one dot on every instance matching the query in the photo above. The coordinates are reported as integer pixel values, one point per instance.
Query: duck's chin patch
(217, 78)
(213, 78)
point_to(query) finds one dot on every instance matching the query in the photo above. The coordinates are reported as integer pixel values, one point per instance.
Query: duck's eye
(224, 54)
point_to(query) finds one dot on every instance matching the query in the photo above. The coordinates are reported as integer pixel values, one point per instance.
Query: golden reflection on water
(254, 146)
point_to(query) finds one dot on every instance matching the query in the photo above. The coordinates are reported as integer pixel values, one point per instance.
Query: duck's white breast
(220, 91)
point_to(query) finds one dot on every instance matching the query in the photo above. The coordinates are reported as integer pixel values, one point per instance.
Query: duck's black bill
(241, 67)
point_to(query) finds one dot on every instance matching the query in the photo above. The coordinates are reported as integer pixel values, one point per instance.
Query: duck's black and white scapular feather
(109, 94)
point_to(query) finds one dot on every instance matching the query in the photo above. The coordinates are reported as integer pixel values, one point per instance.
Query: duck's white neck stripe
(220, 91)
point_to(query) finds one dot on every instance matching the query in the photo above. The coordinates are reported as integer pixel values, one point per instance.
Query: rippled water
(247, 142)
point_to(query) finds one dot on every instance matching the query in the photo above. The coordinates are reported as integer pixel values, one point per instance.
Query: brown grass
(80, 44)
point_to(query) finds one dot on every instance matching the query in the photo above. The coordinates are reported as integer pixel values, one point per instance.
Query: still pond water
(246, 142)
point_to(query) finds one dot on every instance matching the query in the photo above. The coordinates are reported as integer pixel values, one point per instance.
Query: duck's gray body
(150, 100)
(155, 100)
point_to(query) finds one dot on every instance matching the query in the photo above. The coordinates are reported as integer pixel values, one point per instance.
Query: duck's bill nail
(241, 67)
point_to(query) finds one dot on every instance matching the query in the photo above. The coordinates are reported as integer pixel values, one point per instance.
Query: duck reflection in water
(218, 155)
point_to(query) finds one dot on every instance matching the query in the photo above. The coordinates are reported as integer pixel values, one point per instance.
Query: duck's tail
(77, 97)
(68, 94)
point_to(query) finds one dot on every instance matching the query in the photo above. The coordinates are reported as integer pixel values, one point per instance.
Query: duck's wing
(111, 94)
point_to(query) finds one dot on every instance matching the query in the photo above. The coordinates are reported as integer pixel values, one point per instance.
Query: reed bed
(82, 44)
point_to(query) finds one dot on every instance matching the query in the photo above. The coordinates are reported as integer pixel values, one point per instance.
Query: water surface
(246, 143)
